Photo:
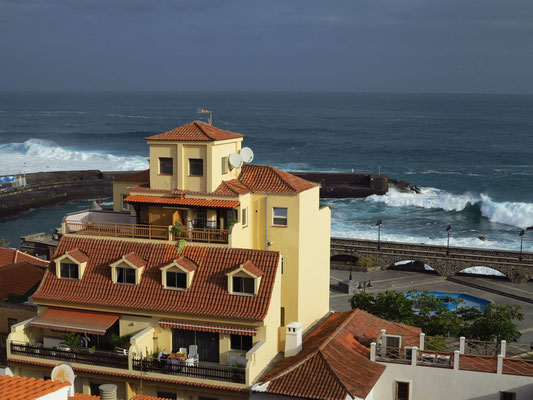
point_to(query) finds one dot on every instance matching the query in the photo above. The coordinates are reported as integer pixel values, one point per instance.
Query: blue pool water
(465, 300)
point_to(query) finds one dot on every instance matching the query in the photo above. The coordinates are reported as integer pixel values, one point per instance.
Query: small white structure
(293, 339)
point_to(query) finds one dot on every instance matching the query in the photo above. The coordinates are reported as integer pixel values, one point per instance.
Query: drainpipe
(266, 223)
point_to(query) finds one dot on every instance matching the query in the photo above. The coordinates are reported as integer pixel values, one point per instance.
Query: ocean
(471, 155)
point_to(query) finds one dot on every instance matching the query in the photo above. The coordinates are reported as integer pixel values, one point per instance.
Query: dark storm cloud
(365, 45)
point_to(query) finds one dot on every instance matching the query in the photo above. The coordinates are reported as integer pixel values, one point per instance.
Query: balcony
(200, 370)
(81, 356)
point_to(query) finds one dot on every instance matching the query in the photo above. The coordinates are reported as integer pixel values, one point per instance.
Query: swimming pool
(450, 298)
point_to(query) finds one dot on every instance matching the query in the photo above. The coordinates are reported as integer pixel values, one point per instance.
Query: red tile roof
(208, 294)
(22, 388)
(12, 256)
(333, 363)
(186, 263)
(182, 202)
(134, 259)
(136, 177)
(143, 397)
(267, 179)
(232, 187)
(11, 282)
(75, 321)
(77, 255)
(250, 267)
(196, 132)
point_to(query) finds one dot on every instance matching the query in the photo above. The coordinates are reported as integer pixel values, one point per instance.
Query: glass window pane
(181, 280)
(74, 271)
(248, 285)
(165, 165)
(196, 166)
(235, 342)
(64, 270)
(237, 284)
(120, 275)
(247, 343)
(171, 279)
(130, 275)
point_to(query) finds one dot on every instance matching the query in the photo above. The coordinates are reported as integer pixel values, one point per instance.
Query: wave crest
(36, 155)
(510, 213)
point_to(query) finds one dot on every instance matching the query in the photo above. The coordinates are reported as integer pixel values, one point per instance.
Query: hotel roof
(182, 201)
(207, 296)
(195, 132)
(11, 282)
(267, 179)
(333, 364)
(12, 256)
(22, 388)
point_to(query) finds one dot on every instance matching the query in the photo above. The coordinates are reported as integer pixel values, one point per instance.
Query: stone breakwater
(52, 188)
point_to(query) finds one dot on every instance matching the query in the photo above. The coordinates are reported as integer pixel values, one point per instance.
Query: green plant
(4, 242)
(364, 262)
(236, 366)
(120, 341)
(434, 343)
(92, 349)
(156, 352)
(72, 341)
(230, 223)
(180, 245)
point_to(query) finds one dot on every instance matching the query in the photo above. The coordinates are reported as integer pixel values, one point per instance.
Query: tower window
(196, 167)
(279, 216)
(224, 165)
(165, 165)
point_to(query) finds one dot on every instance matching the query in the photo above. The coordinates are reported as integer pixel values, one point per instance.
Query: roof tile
(11, 284)
(208, 294)
(267, 179)
(22, 388)
(181, 201)
(196, 132)
(12, 256)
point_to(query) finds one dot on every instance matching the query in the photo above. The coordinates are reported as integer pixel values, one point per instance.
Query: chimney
(108, 391)
(293, 339)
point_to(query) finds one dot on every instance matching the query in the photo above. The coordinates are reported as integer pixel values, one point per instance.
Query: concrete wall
(443, 384)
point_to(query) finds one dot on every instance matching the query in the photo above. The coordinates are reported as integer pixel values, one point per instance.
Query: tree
(494, 323)
(432, 315)
(389, 305)
(4, 242)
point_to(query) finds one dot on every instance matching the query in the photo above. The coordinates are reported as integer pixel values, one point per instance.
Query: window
(69, 270)
(282, 316)
(125, 275)
(280, 216)
(245, 216)
(243, 285)
(402, 390)
(165, 166)
(10, 323)
(125, 206)
(282, 265)
(167, 395)
(507, 396)
(224, 165)
(241, 342)
(196, 167)
(176, 280)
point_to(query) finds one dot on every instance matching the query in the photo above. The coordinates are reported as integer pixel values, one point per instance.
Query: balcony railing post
(414, 356)
(462, 345)
(373, 351)
(499, 366)
(456, 355)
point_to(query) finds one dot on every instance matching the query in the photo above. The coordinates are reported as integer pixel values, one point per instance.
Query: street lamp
(364, 284)
(448, 229)
(521, 234)
(378, 224)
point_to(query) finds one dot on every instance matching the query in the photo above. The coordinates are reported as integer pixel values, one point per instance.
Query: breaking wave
(37, 155)
(510, 213)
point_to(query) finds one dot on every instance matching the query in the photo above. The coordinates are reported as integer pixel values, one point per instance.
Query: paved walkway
(404, 281)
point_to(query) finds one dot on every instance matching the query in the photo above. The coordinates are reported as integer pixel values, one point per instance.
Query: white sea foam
(509, 213)
(35, 155)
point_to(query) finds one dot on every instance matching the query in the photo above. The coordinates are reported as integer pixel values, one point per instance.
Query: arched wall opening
(481, 271)
(413, 266)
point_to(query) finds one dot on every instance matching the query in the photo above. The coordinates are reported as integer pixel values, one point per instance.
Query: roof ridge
(338, 329)
(196, 123)
(277, 172)
(332, 372)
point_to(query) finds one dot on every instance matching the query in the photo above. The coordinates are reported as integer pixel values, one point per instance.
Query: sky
(472, 46)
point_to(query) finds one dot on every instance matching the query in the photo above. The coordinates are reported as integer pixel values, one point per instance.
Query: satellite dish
(247, 155)
(63, 373)
(235, 160)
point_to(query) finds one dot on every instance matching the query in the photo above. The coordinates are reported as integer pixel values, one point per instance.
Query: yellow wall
(19, 313)
(120, 189)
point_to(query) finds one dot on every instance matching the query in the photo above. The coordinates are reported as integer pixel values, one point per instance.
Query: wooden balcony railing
(117, 230)
(82, 356)
(203, 370)
(158, 232)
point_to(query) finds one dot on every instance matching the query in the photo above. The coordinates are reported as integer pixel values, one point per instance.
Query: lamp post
(364, 284)
(378, 224)
(448, 229)
(521, 234)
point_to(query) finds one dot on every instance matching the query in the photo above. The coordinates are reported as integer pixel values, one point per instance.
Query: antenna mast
(204, 111)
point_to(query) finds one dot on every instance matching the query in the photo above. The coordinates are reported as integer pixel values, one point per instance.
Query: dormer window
(128, 269)
(69, 270)
(243, 285)
(125, 275)
(176, 280)
(245, 279)
(178, 274)
(71, 265)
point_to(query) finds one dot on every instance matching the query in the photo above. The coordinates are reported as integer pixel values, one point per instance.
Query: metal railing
(82, 356)
(203, 370)
(117, 230)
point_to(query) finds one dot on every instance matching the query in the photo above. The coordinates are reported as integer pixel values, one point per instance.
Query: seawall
(52, 188)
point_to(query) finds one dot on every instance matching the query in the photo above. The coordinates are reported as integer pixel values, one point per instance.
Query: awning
(209, 328)
(75, 321)
(179, 201)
